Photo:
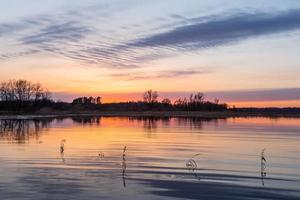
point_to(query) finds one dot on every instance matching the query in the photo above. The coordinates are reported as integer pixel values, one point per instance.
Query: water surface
(166, 158)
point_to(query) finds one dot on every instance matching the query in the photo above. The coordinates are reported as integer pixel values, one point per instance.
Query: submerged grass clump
(192, 166)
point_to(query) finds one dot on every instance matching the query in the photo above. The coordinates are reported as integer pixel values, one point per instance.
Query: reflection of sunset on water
(156, 149)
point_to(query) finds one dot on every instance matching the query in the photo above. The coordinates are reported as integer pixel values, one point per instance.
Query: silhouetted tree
(98, 100)
(150, 96)
(21, 95)
(181, 101)
(91, 100)
(216, 101)
(87, 100)
(197, 98)
(166, 101)
(22, 90)
(46, 95)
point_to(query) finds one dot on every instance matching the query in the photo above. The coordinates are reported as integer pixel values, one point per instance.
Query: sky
(245, 53)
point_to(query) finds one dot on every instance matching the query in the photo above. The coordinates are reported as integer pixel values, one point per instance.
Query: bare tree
(150, 96)
(38, 91)
(198, 98)
(46, 95)
(7, 91)
(22, 90)
(91, 100)
(216, 101)
(87, 100)
(98, 100)
(166, 101)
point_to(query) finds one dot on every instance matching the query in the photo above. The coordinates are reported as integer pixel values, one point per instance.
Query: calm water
(163, 159)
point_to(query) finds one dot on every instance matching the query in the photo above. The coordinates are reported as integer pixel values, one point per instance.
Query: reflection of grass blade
(101, 155)
(263, 166)
(63, 158)
(124, 160)
(123, 165)
(62, 146)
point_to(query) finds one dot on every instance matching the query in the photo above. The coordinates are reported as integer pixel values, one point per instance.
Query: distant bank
(158, 114)
(24, 99)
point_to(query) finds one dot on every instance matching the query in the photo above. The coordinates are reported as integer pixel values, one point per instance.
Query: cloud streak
(221, 31)
(283, 94)
(198, 34)
(69, 31)
(157, 75)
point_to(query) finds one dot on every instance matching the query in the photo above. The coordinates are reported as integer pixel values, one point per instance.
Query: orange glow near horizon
(260, 104)
(138, 96)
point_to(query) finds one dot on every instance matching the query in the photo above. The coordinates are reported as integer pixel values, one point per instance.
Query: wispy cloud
(64, 32)
(157, 75)
(18, 54)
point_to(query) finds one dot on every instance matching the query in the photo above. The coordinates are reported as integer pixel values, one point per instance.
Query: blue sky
(125, 47)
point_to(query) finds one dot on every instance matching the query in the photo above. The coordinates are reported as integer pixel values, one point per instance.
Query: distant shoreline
(192, 114)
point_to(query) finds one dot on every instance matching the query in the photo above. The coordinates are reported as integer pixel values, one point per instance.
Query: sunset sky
(243, 52)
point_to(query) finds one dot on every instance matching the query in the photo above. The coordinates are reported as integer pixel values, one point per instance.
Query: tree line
(195, 102)
(23, 95)
(150, 102)
(22, 90)
(87, 100)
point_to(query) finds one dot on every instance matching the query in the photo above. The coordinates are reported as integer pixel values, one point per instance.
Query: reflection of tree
(124, 167)
(150, 124)
(87, 120)
(196, 122)
(22, 130)
(166, 121)
(263, 167)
